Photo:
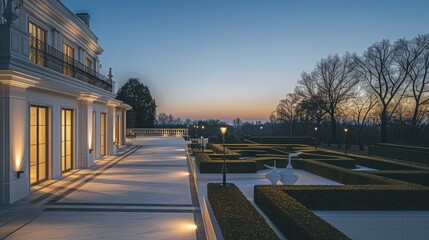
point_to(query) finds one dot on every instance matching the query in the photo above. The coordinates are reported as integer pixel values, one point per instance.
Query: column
(124, 127)
(14, 122)
(111, 106)
(86, 151)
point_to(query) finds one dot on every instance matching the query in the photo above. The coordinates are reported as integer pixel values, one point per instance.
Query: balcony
(47, 56)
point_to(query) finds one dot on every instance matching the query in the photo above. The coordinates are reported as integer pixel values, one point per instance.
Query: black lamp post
(196, 134)
(202, 138)
(262, 128)
(223, 129)
(315, 137)
(345, 140)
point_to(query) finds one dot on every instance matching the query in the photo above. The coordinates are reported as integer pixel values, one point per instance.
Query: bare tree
(286, 110)
(418, 64)
(162, 119)
(333, 81)
(362, 106)
(379, 69)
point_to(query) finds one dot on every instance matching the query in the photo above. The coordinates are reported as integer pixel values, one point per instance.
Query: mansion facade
(57, 112)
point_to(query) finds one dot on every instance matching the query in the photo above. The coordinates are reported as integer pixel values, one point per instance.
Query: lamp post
(262, 128)
(345, 140)
(223, 129)
(315, 137)
(202, 138)
(196, 134)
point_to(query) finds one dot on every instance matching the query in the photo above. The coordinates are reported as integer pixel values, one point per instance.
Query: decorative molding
(90, 97)
(113, 103)
(17, 79)
(58, 16)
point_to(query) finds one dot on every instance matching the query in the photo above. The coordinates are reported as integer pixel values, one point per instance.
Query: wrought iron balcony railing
(47, 56)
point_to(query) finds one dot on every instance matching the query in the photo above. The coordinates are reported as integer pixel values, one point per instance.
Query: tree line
(384, 92)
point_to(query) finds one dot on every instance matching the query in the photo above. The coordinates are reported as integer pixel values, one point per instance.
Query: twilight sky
(236, 58)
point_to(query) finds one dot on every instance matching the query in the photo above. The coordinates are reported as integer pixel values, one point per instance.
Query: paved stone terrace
(145, 192)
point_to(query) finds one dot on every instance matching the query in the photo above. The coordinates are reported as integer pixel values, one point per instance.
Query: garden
(365, 183)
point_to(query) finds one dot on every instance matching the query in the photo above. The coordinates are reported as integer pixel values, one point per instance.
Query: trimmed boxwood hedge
(283, 140)
(377, 163)
(361, 197)
(417, 177)
(401, 152)
(292, 218)
(207, 165)
(342, 175)
(236, 216)
(288, 207)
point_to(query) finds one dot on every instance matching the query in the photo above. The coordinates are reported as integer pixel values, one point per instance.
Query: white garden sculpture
(273, 176)
(287, 176)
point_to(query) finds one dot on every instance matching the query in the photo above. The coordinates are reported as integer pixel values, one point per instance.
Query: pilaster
(14, 121)
(86, 158)
(111, 108)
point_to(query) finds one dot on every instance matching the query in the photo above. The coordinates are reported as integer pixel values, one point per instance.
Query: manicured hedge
(236, 216)
(384, 164)
(227, 156)
(292, 218)
(375, 162)
(249, 152)
(417, 177)
(361, 197)
(342, 175)
(207, 165)
(401, 152)
(283, 140)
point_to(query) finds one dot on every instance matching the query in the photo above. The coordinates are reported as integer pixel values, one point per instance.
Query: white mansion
(57, 112)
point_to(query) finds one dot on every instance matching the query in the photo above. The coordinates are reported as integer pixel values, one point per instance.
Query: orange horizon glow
(199, 111)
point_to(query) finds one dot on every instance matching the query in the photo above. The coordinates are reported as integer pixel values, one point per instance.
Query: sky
(225, 59)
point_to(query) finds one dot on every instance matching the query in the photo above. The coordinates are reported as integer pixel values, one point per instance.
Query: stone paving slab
(144, 195)
(108, 225)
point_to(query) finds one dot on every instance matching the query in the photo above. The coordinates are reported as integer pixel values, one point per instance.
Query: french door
(67, 130)
(103, 134)
(38, 143)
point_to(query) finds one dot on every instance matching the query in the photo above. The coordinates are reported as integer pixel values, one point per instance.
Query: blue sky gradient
(236, 58)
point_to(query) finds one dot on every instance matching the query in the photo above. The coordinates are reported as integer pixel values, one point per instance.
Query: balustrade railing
(49, 57)
(178, 132)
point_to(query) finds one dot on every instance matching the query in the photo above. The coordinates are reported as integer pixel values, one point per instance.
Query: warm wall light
(18, 173)
(192, 226)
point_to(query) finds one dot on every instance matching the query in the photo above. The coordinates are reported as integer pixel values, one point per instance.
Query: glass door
(66, 140)
(38, 143)
(103, 134)
(68, 60)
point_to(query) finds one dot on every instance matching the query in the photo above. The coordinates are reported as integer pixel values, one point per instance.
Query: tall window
(103, 134)
(38, 143)
(88, 63)
(37, 43)
(68, 59)
(66, 139)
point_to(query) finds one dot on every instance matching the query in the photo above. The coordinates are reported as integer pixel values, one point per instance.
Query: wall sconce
(90, 150)
(18, 173)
